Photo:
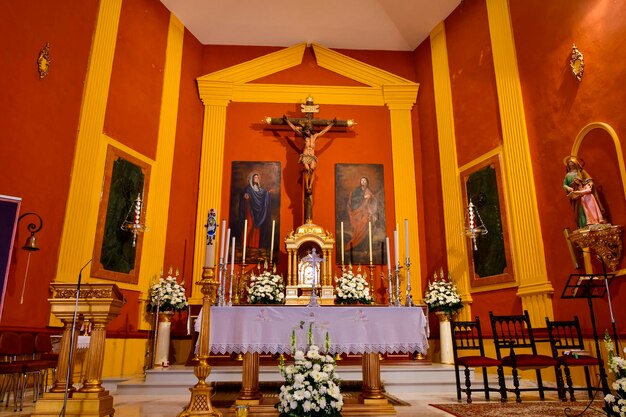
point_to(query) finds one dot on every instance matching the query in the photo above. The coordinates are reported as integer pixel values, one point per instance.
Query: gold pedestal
(79, 404)
(604, 239)
(98, 304)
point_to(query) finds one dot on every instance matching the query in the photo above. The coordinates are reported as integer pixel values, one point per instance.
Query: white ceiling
(395, 25)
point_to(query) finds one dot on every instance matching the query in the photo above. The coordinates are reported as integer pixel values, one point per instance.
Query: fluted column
(79, 226)
(211, 167)
(64, 358)
(453, 207)
(250, 393)
(95, 359)
(400, 100)
(528, 253)
(372, 387)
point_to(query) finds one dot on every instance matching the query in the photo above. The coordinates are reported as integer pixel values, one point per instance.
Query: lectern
(98, 304)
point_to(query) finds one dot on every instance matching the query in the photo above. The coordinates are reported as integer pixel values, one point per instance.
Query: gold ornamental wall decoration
(577, 63)
(43, 61)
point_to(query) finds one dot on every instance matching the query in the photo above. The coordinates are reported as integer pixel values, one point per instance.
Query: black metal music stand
(591, 286)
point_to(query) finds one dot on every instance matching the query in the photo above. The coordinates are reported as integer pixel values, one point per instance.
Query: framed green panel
(490, 262)
(115, 257)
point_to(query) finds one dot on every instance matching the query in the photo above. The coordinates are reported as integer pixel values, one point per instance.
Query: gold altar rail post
(98, 304)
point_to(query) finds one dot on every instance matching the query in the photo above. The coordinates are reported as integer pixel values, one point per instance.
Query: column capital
(216, 93)
(400, 97)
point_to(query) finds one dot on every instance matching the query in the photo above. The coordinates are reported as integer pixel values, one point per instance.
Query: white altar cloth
(352, 329)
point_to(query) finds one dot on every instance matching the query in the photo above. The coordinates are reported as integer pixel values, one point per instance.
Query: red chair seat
(529, 361)
(477, 361)
(572, 360)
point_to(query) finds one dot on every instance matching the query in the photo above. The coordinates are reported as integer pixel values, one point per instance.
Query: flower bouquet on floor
(615, 403)
(442, 295)
(352, 289)
(311, 387)
(167, 294)
(266, 288)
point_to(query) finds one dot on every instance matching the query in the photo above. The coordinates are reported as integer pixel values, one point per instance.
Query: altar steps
(398, 379)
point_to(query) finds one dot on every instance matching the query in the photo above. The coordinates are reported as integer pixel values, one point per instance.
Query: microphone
(80, 273)
(71, 349)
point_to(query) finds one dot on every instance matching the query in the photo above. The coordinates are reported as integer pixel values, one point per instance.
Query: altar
(366, 330)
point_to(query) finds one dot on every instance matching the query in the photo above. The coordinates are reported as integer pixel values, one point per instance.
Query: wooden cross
(305, 127)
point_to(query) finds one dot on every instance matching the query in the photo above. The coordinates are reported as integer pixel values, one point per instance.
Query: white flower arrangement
(266, 288)
(168, 294)
(442, 295)
(615, 404)
(311, 387)
(352, 289)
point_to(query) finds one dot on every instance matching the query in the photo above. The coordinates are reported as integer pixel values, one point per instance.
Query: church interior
(485, 155)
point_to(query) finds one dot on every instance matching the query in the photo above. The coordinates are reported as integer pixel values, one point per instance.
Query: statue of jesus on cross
(307, 157)
(305, 127)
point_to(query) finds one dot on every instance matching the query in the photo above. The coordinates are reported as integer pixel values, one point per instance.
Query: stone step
(398, 379)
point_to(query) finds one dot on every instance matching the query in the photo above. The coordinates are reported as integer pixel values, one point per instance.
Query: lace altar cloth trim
(354, 330)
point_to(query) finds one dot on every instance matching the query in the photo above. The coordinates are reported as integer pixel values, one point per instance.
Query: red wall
(39, 119)
(558, 106)
(137, 76)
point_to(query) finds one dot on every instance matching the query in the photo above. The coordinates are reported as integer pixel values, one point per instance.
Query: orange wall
(558, 106)
(472, 80)
(39, 119)
(137, 76)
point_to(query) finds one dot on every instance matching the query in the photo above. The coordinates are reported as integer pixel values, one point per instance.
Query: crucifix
(305, 127)
(312, 259)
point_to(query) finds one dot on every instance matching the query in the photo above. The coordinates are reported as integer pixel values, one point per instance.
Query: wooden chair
(568, 348)
(514, 335)
(32, 367)
(467, 337)
(44, 352)
(10, 370)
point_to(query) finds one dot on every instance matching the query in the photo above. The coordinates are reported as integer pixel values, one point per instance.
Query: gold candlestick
(201, 393)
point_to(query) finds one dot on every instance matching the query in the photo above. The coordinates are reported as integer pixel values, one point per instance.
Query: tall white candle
(232, 273)
(245, 240)
(222, 241)
(388, 254)
(342, 244)
(406, 238)
(272, 242)
(395, 244)
(227, 246)
(232, 260)
(369, 224)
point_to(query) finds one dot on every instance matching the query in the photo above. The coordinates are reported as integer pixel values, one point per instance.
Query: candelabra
(389, 286)
(398, 300)
(408, 302)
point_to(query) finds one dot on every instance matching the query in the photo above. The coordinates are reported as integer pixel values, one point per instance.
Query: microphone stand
(71, 354)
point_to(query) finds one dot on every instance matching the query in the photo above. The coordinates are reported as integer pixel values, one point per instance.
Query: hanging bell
(31, 243)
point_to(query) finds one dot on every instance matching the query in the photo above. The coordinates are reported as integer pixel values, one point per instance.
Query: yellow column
(535, 289)
(161, 176)
(453, 207)
(81, 212)
(215, 97)
(400, 99)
